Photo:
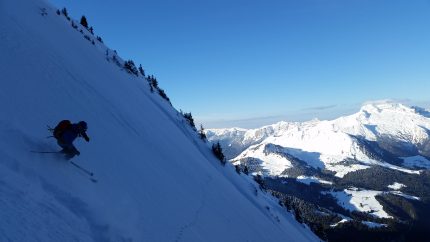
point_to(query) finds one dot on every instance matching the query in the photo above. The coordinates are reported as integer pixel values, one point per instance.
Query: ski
(89, 173)
(44, 152)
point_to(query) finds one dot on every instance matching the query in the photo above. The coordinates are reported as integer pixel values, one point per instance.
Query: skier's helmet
(83, 125)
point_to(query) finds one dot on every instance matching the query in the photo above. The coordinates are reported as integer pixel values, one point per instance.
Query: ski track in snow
(196, 214)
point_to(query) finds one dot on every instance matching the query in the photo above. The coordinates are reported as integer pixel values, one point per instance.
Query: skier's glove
(87, 138)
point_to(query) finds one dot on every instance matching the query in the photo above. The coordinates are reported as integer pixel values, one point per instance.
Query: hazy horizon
(306, 114)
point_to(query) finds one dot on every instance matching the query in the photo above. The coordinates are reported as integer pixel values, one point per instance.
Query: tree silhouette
(84, 21)
(142, 72)
(202, 133)
(217, 150)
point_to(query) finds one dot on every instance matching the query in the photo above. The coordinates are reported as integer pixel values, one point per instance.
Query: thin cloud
(327, 112)
(252, 122)
(390, 100)
(319, 108)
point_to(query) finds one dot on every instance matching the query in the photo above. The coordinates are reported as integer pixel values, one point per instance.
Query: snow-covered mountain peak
(385, 105)
(386, 119)
(329, 143)
(229, 131)
(386, 112)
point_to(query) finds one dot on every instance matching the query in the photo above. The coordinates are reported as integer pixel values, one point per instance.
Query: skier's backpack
(61, 127)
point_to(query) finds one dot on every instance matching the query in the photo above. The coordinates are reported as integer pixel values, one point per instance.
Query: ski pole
(82, 169)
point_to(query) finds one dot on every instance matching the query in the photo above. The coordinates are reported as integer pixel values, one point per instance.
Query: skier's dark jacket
(72, 133)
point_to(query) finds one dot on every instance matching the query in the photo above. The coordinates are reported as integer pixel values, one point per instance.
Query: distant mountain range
(370, 163)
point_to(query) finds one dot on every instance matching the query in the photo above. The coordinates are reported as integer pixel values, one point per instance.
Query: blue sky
(250, 63)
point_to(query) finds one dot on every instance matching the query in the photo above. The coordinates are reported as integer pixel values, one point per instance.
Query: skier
(66, 132)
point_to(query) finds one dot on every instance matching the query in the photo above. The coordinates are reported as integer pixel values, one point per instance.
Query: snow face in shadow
(157, 181)
(416, 162)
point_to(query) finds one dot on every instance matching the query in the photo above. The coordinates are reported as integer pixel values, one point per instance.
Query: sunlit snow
(354, 199)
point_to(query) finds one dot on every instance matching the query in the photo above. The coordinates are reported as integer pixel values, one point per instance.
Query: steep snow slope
(156, 180)
(333, 145)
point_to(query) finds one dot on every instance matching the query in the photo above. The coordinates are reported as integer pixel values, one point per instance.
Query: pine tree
(130, 67)
(189, 118)
(245, 170)
(202, 133)
(115, 60)
(142, 72)
(217, 150)
(148, 79)
(65, 13)
(84, 22)
(259, 180)
(237, 168)
(154, 82)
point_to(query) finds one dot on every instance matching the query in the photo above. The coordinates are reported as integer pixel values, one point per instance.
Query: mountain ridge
(338, 139)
